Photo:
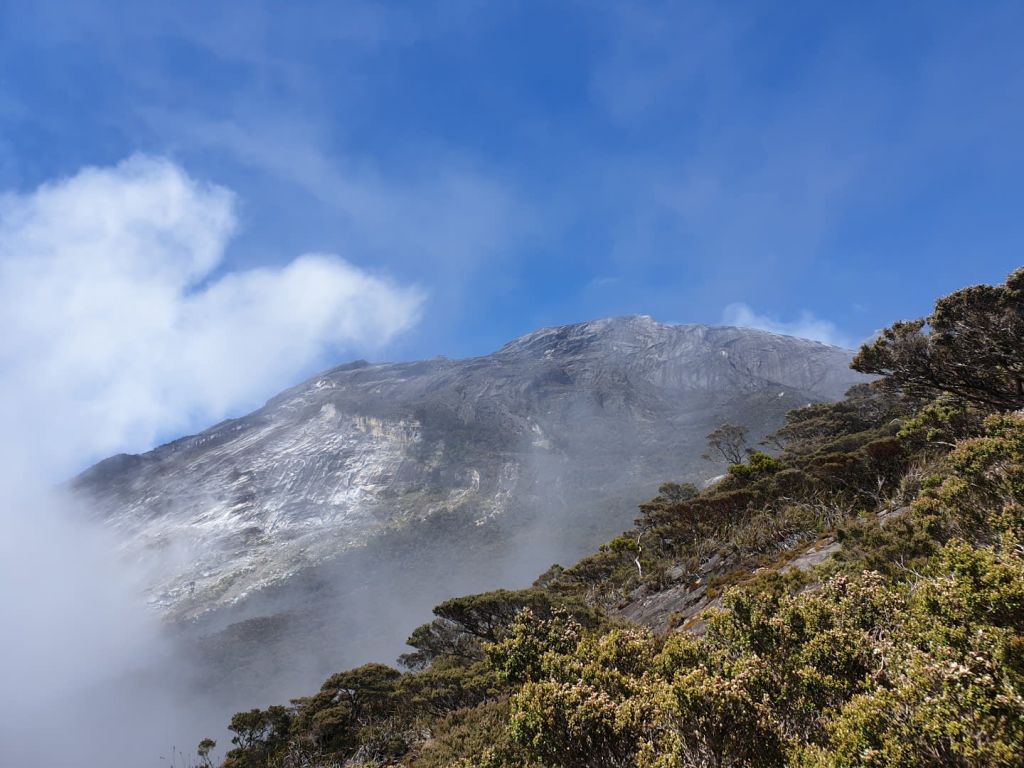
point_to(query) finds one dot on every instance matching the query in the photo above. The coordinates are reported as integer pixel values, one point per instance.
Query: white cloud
(807, 326)
(120, 325)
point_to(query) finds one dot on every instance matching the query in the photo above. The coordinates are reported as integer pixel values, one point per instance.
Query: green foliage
(259, 735)
(622, 544)
(348, 709)
(481, 731)
(942, 422)
(203, 752)
(981, 495)
(727, 442)
(449, 685)
(970, 348)
(758, 465)
(863, 671)
(952, 692)
(676, 492)
(867, 412)
(464, 624)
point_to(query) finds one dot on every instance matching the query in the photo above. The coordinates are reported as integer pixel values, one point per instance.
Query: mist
(121, 327)
(88, 670)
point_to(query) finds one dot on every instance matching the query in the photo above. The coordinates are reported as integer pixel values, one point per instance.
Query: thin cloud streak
(806, 326)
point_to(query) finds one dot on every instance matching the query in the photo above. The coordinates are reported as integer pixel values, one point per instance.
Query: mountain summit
(472, 472)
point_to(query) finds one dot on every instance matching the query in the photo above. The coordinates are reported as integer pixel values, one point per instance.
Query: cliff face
(549, 442)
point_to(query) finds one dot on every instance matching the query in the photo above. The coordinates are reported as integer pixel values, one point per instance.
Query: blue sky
(202, 203)
(533, 163)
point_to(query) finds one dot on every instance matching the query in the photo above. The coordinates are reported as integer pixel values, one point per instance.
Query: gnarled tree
(970, 347)
(728, 441)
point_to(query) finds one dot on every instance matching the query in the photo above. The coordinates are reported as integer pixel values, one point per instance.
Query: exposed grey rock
(814, 555)
(886, 516)
(680, 606)
(472, 473)
(675, 573)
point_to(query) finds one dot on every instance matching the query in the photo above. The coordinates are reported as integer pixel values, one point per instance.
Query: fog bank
(122, 326)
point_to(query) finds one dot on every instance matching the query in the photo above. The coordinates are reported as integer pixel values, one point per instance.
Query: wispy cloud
(661, 47)
(806, 326)
(439, 219)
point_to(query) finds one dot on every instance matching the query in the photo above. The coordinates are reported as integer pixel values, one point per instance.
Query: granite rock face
(534, 454)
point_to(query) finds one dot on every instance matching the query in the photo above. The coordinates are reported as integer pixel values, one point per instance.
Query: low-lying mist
(120, 326)
(79, 651)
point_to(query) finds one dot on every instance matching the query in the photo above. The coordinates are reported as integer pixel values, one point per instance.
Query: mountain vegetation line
(905, 648)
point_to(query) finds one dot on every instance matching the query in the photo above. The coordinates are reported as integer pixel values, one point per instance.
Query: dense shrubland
(905, 649)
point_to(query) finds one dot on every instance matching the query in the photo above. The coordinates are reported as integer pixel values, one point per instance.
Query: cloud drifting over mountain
(807, 326)
(121, 324)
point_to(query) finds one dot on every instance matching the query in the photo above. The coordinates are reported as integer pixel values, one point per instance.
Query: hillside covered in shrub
(849, 594)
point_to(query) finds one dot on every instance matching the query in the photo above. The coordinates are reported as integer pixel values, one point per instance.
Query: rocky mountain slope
(404, 483)
(852, 598)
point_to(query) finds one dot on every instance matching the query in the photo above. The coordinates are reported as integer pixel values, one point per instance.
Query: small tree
(728, 441)
(259, 733)
(674, 493)
(203, 750)
(970, 347)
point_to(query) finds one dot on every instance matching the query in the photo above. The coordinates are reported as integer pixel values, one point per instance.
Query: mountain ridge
(363, 447)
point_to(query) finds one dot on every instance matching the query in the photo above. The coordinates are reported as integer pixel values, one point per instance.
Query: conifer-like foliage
(969, 347)
(905, 649)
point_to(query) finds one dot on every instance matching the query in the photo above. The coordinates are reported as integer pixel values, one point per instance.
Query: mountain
(372, 491)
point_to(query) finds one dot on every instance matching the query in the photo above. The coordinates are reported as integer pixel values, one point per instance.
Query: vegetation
(969, 348)
(905, 649)
(727, 442)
